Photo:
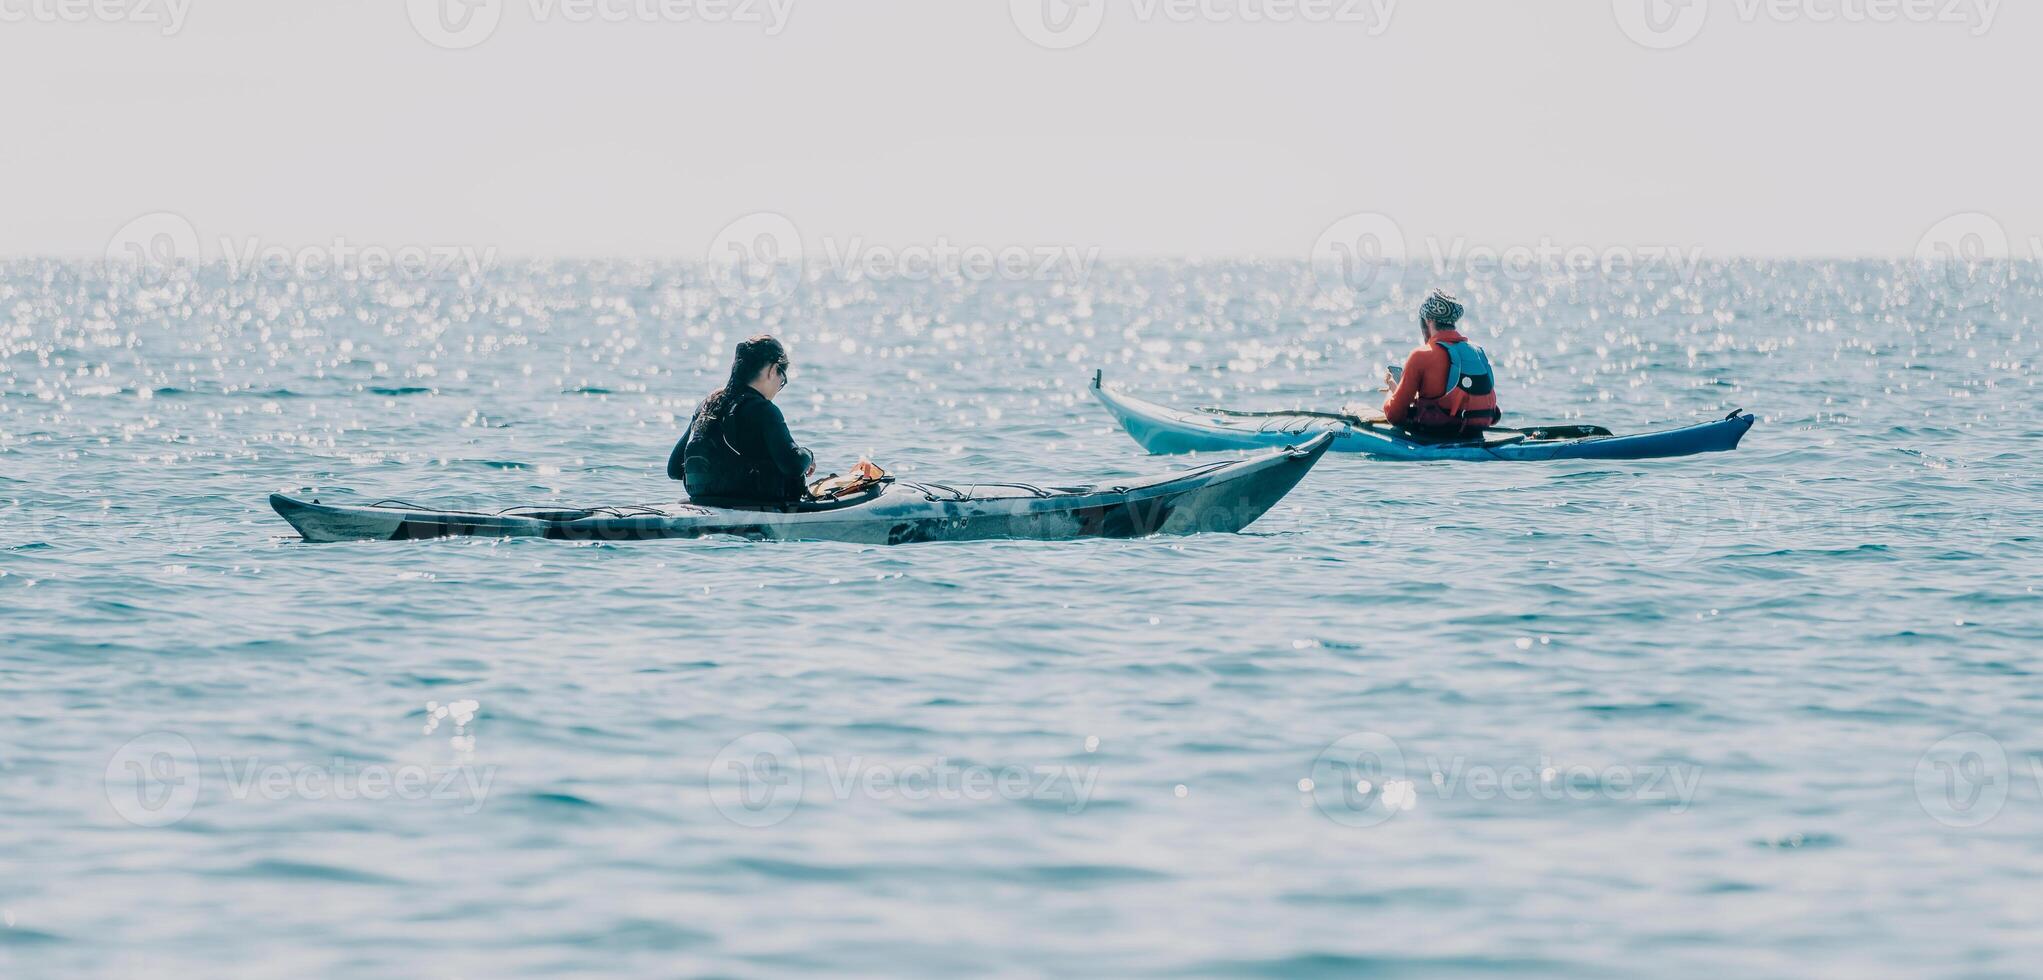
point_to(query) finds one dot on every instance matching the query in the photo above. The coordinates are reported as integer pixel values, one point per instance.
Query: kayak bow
(1168, 430)
(1225, 497)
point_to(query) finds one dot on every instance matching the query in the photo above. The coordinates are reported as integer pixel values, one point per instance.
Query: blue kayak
(1170, 430)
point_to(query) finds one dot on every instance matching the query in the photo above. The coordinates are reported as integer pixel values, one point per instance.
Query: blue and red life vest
(1469, 404)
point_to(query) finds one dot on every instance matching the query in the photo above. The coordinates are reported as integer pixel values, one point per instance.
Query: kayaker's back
(1448, 388)
(735, 456)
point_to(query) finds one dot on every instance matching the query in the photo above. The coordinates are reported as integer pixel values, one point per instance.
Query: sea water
(1772, 711)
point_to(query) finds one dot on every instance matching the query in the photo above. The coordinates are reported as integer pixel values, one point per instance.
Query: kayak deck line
(1224, 496)
(1161, 429)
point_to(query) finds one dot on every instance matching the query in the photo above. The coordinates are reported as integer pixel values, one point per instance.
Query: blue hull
(1169, 430)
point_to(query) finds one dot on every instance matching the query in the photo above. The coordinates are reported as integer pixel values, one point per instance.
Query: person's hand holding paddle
(1362, 412)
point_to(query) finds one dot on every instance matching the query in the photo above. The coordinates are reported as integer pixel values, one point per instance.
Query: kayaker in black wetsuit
(737, 448)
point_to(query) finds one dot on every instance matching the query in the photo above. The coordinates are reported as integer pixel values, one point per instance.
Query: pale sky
(1506, 122)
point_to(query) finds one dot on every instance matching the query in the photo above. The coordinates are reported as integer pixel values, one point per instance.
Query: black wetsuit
(746, 454)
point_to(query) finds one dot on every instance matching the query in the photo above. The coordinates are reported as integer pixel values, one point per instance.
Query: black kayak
(1225, 496)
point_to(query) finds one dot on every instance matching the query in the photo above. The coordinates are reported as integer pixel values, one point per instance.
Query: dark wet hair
(753, 356)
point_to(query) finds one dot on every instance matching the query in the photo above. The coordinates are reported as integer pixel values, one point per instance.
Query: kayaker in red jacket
(1447, 389)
